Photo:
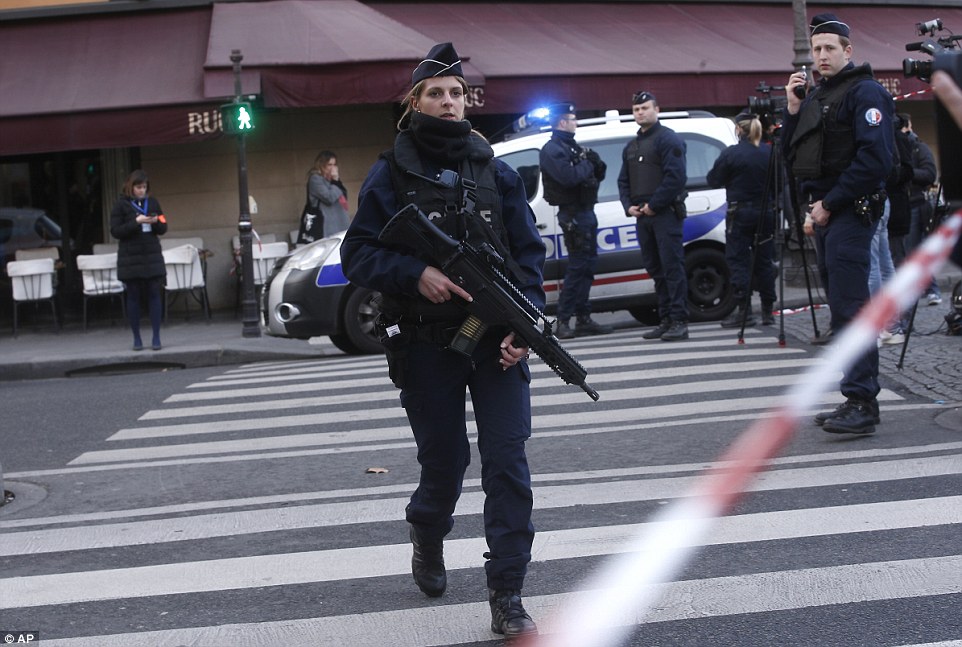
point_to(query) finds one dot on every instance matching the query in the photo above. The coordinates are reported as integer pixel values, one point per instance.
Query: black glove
(596, 161)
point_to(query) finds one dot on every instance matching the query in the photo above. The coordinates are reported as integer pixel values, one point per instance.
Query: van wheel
(359, 314)
(710, 294)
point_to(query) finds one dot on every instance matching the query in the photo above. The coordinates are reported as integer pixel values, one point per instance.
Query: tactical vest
(821, 146)
(449, 209)
(644, 167)
(555, 193)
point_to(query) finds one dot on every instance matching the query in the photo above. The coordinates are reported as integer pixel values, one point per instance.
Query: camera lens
(921, 70)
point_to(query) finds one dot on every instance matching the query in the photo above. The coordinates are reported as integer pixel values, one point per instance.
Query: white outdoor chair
(259, 240)
(99, 273)
(32, 280)
(185, 276)
(105, 248)
(38, 252)
(264, 257)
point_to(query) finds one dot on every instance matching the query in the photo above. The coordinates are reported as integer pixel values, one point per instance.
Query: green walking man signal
(236, 118)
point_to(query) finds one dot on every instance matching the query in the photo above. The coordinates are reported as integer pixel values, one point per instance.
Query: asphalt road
(263, 505)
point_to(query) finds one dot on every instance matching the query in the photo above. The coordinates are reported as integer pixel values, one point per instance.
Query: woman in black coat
(136, 222)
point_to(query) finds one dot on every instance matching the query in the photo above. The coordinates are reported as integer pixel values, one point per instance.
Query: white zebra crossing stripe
(641, 376)
(468, 623)
(387, 509)
(381, 561)
(611, 395)
(405, 488)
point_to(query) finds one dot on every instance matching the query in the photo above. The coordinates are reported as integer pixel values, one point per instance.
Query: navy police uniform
(653, 171)
(571, 181)
(857, 140)
(433, 379)
(743, 169)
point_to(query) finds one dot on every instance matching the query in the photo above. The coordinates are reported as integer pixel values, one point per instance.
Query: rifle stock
(496, 300)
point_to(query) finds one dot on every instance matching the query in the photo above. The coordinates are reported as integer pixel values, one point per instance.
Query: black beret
(744, 116)
(442, 60)
(558, 109)
(828, 23)
(643, 96)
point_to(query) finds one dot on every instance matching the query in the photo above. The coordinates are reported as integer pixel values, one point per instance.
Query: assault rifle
(496, 300)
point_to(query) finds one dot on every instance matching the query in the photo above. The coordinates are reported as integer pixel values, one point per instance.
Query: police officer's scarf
(447, 141)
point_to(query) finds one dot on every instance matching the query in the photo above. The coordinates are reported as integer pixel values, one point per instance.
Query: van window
(528, 165)
(701, 153)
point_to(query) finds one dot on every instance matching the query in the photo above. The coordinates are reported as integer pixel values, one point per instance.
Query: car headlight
(313, 255)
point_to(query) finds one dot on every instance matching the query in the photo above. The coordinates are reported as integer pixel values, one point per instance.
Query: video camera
(946, 56)
(767, 108)
(922, 70)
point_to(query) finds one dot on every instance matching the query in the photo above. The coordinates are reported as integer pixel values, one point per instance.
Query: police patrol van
(308, 295)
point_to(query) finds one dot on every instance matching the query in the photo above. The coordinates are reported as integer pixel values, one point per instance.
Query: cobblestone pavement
(932, 365)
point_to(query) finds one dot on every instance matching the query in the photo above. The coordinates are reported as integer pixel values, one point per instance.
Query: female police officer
(484, 202)
(743, 170)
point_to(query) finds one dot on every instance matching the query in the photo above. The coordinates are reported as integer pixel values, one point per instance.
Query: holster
(869, 208)
(396, 340)
(576, 240)
(681, 211)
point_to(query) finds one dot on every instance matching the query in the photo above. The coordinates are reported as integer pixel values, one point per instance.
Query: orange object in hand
(161, 219)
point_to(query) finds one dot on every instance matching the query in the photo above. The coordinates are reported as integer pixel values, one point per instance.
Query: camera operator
(743, 170)
(571, 175)
(839, 142)
(949, 93)
(924, 175)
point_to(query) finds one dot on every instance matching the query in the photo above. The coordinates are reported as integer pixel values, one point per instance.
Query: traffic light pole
(251, 321)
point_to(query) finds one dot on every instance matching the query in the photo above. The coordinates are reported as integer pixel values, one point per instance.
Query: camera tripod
(929, 227)
(773, 214)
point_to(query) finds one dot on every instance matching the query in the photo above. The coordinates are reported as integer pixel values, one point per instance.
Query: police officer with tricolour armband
(839, 143)
(571, 175)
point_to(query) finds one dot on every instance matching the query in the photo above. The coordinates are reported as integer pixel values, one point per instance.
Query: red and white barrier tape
(618, 596)
(911, 94)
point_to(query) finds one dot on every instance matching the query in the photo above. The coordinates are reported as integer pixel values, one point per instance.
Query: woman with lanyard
(136, 221)
(437, 160)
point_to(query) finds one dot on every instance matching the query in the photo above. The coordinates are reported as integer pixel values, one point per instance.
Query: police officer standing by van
(651, 186)
(571, 175)
(839, 142)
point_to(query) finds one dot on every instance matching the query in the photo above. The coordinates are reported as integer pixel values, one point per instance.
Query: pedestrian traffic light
(236, 118)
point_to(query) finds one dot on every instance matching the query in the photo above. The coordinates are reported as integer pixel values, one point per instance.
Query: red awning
(101, 81)
(316, 52)
(689, 55)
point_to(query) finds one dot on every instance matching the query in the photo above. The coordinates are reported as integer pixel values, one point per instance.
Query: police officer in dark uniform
(440, 164)
(839, 142)
(743, 170)
(651, 185)
(571, 175)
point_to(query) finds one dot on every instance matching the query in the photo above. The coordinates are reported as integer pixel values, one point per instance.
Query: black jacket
(139, 255)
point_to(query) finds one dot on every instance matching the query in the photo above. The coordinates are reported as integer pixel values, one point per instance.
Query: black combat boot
(508, 616)
(677, 331)
(768, 314)
(588, 326)
(734, 318)
(563, 331)
(842, 409)
(427, 565)
(656, 333)
(860, 417)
